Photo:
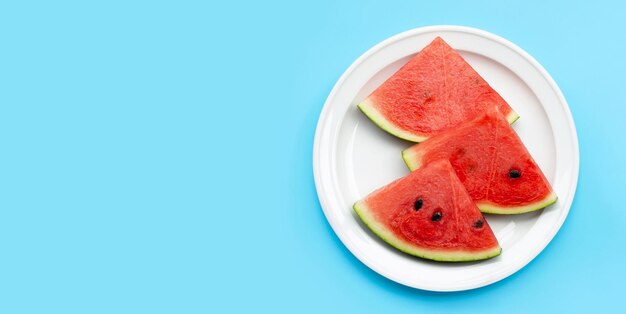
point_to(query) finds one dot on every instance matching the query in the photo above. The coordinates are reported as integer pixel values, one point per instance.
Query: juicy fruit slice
(492, 162)
(435, 91)
(429, 214)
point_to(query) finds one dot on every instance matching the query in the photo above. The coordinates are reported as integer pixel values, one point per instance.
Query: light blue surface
(156, 157)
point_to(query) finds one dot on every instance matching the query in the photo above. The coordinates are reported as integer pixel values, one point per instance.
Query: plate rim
(323, 117)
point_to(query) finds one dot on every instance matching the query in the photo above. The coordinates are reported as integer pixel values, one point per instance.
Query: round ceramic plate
(352, 156)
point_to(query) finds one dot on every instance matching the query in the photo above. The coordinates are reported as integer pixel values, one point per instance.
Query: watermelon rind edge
(511, 210)
(368, 108)
(437, 255)
(373, 114)
(409, 159)
(512, 117)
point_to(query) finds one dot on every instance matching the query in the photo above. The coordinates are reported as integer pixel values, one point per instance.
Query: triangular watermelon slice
(435, 91)
(491, 161)
(429, 214)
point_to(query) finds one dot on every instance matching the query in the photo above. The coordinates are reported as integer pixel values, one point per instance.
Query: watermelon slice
(429, 214)
(491, 161)
(435, 91)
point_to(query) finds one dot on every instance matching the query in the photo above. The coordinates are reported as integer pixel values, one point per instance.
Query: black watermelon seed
(418, 204)
(478, 223)
(436, 216)
(514, 174)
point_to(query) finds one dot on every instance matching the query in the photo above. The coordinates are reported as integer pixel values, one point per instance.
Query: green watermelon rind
(437, 255)
(412, 161)
(512, 117)
(511, 210)
(369, 109)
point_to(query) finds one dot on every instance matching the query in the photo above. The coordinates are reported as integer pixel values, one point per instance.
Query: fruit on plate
(492, 162)
(429, 214)
(435, 91)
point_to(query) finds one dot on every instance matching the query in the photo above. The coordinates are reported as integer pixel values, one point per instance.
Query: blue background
(156, 156)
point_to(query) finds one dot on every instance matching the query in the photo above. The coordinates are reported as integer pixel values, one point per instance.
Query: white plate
(353, 157)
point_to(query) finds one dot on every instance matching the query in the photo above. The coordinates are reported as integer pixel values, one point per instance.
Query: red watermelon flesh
(435, 91)
(429, 214)
(492, 162)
